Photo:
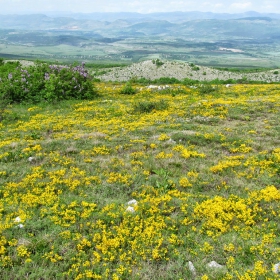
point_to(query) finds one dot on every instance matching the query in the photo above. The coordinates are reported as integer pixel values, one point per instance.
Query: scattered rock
(132, 202)
(214, 264)
(14, 144)
(192, 268)
(24, 242)
(157, 87)
(170, 141)
(17, 220)
(152, 87)
(31, 159)
(180, 71)
(130, 209)
(276, 268)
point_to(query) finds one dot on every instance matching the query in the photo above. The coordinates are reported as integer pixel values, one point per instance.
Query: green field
(131, 50)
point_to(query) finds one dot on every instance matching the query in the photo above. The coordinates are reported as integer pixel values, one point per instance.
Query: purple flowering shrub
(44, 82)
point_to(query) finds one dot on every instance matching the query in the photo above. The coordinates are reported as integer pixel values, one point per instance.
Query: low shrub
(222, 82)
(206, 89)
(143, 81)
(128, 89)
(44, 82)
(160, 81)
(166, 80)
(157, 62)
(189, 82)
(149, 106)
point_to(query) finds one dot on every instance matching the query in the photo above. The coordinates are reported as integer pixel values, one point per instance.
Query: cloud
(219, 5)
(241, 6)
(143, 6)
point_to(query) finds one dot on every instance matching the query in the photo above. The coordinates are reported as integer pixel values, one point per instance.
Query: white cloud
(241, 6)
(219, 5)
(143, 6)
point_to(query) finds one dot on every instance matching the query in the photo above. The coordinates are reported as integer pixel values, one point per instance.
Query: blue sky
(141, 6)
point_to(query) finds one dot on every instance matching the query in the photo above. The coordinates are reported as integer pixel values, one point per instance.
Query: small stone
(192, 268)
(17, 220)
(31, 159)
(214, 264)
(130, 209)
(14, 144)
(23, 242)
(170, 141)
(276, 268)
(132, 202)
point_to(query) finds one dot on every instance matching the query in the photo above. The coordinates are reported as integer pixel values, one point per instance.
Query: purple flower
(47, 76)
(24, 71)
(10, 76)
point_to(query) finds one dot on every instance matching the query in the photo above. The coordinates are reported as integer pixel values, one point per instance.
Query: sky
(140, 6)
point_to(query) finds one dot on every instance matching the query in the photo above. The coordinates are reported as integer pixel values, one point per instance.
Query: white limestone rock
(17, 220)
(276, 268)
(214, 264)
(130, 209)
(192, 268)
(132, 202)
(31, 159)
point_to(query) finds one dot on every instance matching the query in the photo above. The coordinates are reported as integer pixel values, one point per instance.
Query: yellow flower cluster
(220, 214)
(230, 162)
(164, 155)
(118, 177)
(188, 152)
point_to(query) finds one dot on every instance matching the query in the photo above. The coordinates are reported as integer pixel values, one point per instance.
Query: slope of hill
(181, 70)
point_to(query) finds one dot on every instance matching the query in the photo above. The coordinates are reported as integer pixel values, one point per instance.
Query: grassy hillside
(138, 186)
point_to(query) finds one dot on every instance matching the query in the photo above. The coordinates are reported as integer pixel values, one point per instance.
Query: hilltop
(156, 69)
(180, 70)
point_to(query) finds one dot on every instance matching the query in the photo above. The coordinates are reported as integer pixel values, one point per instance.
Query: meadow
(152, 185)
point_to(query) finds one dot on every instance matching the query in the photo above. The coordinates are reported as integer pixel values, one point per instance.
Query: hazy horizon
(144, 6)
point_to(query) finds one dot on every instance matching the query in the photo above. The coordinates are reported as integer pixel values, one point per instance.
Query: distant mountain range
(59, 20)
(208, 38)
(175, 24)
(175, 17)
